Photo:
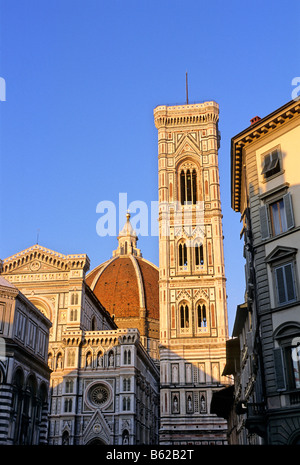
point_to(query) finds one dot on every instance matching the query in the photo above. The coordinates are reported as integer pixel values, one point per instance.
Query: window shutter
(267, 161)
(279, 369)
(279, 271)
(289, 278)
(264, 224)
(287, 200)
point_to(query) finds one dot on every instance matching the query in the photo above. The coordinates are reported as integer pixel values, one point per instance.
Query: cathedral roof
(126, 283)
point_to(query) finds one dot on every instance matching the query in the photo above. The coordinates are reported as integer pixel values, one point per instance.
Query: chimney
(254, 120)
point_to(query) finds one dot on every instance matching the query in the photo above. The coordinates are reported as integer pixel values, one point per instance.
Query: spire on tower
(186, 88)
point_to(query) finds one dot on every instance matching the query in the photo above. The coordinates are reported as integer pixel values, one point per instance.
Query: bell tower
(192, 291)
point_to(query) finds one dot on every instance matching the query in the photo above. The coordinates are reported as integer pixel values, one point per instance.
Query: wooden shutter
(279, 369)
(288, 208)
(289, 279)
(281, 293)
(264, 224)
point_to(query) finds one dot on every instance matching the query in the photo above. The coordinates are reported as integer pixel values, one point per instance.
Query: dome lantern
(127, 239)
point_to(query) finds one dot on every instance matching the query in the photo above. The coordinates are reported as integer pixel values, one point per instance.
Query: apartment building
(265, 188)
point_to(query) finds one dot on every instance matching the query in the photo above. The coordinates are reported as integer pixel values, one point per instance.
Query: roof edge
(252, 133)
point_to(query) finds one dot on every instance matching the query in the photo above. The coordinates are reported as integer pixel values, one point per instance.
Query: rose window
(99, 394)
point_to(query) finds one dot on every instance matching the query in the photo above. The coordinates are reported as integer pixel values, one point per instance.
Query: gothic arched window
(126, 384)
(74, 299)
(69, 385)
(194, 186)
(201, 316)
(182, 187)
(127, 357)
(199, 255)
(182, 250)
(68, 405)
(126, 403)
(184, 316)
(73, 314)
(188, 186)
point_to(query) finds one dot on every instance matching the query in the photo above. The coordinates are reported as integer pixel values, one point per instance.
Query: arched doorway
(96, 442)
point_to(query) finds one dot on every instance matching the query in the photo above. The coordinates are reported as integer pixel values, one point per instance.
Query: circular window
(98, 394)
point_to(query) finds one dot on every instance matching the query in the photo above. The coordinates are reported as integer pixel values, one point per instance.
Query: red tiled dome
(127, 286)
(124, 285)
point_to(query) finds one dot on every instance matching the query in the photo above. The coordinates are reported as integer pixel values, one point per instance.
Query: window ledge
(279, 236)
(277, 189)
(265, 180)
(285, 306)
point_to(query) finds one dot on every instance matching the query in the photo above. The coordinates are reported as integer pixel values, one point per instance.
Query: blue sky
(82, 80)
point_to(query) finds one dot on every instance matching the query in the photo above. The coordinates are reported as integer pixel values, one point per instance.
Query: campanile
(192, 290)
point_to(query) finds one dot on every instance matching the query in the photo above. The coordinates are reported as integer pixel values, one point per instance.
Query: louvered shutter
(279, 272)
(289, 279)
(288, 208)
(264, 224)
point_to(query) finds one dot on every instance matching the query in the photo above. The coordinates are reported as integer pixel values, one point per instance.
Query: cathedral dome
(127, 286)
(124, 285)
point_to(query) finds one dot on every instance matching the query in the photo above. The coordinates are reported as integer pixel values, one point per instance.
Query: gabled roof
(37, 255)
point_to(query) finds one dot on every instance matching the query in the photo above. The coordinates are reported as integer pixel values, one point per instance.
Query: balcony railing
(295, 398)
(256, 409)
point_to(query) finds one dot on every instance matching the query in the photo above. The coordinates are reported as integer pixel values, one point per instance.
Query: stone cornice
(250, 135)
(179, 115)
(8, 292)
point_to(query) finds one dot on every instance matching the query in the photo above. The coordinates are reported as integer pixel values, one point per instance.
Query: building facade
(266, 192)
(192, 293)
(24, 372)
(238, 402)
(101, 376)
